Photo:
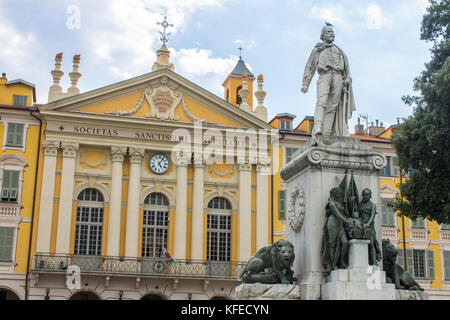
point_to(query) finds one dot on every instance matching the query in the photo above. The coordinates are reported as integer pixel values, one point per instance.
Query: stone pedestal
(411, 295)
(259, 291)
(360, 281)
(319, 166)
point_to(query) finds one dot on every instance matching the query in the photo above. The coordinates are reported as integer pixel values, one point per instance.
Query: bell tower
(240, 77)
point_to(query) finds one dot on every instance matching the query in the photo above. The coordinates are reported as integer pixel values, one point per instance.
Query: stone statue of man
(335, 102)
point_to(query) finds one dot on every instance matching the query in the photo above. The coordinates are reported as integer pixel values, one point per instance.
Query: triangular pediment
(161, 95)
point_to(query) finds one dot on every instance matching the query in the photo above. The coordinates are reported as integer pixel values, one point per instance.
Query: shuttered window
(388, 213)
(420, 263)
(14, 135)
(447, 265)
(419, 223)
(6, 243)
(289, 153)
(387, 170)
(282, 204)
(19, 100)
(10, 185)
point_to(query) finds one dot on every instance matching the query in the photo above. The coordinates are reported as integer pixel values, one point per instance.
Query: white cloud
(375, 18)
(199, 64)
(126, 33)
(330, 13)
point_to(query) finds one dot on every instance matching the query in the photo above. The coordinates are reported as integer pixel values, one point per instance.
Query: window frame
(6, 121)
(78, 241)
(383, 213)
(163, 209)
(20, 96)
(225, 213)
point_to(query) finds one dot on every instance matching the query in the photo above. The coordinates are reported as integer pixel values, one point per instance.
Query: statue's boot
(318, 116)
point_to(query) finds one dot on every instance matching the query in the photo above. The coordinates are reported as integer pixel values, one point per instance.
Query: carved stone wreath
(296, 209)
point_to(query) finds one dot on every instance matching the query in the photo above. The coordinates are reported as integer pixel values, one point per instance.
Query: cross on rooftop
(164, 35)
(240, 52)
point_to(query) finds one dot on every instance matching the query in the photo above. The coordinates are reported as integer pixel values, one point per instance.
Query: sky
(118, 39)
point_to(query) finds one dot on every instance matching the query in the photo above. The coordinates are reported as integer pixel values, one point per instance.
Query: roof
(21, 81)
(240, 69)
(285, 115)
(370, 138)
(10, 106)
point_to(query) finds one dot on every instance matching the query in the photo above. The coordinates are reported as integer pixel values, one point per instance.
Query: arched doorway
(153, 296)
(6, 294)
(84, 295)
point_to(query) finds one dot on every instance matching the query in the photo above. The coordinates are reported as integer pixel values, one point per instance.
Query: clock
(159, 163)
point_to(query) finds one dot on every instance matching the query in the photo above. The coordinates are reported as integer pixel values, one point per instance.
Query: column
(245, 212)
(113, 244)
(180, 210)
(70, 150)
(262, 210)
(134, 184)
(47, 193)
(197, 211)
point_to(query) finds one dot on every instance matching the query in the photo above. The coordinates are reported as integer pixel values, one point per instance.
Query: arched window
(89, 223)
(238, 96)
(219, 230)
(155, 227)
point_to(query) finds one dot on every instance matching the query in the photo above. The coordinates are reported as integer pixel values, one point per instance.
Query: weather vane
(240, 52)
(164, 35)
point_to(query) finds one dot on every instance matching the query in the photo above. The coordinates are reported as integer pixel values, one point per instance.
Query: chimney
(260, 94)
(74, 76)
(244, 92)
(359, 128)
(55, 91)
(375, 130)
(3, 78)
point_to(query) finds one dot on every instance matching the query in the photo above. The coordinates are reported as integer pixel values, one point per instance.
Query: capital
(118, 153)
(136, 154)
(50, 147)
(70, 149)
(245, 167)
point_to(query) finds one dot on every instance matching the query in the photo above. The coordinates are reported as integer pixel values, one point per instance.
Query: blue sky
(117, 40)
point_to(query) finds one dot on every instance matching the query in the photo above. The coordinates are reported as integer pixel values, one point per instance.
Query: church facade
(151, 188)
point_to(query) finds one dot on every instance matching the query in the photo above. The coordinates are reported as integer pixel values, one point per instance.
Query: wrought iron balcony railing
(107, 265)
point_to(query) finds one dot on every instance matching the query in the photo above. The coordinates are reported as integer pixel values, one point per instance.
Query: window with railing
(219, 230)
(89, 223)
(388, 213)
(155, 225)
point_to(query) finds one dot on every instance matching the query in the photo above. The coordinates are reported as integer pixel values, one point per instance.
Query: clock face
(159, 163)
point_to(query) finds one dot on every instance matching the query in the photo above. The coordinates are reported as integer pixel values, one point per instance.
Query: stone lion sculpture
(394, 272)
(278, 257)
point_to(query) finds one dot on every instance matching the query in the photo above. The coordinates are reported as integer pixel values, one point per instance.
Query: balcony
(138, 267)
(389, 232)
(419, 234)
(9, 209)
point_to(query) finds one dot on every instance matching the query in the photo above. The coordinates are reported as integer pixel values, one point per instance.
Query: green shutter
(447, 265)
(6, 243)
(410, 261)
(10, 184)
(282, 204)
(14, 134)
(400, 257)
(430, 264)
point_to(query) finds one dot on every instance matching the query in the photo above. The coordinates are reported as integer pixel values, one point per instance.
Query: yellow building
(427, 243)
(19, 133)
(134, 170)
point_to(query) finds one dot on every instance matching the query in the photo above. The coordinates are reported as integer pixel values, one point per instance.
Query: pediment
(388, 191)
(160, 95)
